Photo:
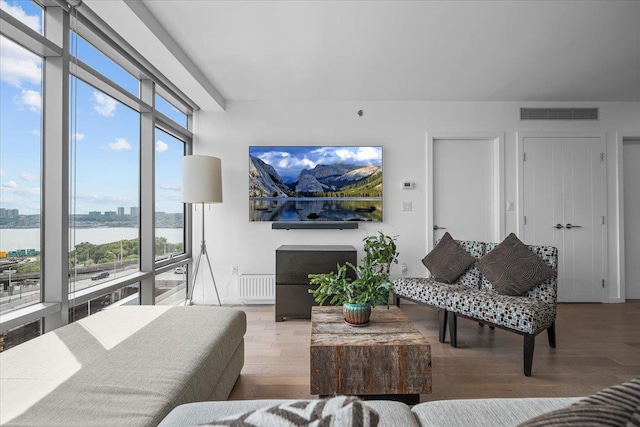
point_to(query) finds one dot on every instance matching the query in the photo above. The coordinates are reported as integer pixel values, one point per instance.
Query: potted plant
(370, 287)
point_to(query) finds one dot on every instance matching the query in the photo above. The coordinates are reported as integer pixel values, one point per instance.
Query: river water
(29, 238)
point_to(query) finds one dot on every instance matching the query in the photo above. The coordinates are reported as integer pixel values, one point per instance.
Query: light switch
(407, 206)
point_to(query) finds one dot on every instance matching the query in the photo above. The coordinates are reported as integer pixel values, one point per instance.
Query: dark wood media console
(294, 263)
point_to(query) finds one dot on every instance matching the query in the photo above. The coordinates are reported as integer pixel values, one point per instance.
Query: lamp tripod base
(203, 251)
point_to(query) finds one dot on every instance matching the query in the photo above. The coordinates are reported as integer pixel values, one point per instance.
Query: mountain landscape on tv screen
(315, 183)
(336, 180)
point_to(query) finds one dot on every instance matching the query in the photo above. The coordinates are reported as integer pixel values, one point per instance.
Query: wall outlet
(407, 206)
(234, 271)
(404, 268)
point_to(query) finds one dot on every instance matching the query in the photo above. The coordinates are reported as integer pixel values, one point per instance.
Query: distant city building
(9, 213)
(134, 211)
(120, 211)
(95, 213)
(110, 213)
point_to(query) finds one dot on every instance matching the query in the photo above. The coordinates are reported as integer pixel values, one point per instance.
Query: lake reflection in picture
(288, 209)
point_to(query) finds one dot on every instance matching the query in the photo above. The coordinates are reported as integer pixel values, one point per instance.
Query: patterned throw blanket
(337, 411)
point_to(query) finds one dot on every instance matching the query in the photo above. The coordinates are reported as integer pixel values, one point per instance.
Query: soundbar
(313, 225)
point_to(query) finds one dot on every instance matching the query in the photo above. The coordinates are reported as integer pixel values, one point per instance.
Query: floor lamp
(201, 183)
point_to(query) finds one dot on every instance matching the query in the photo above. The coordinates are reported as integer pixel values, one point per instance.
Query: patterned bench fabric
(519, 313)
(425, 290)
(547, 291)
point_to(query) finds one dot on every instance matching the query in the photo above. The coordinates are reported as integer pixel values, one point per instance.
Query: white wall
(401, 128)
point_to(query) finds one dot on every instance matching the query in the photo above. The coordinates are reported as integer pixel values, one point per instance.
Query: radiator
(258, 288)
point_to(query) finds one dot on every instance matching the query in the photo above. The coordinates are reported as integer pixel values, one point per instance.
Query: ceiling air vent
(558, 114)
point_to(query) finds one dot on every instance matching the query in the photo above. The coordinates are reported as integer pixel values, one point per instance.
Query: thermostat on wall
(408, 185)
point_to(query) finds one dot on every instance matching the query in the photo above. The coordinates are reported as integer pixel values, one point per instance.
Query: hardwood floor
(598, 345)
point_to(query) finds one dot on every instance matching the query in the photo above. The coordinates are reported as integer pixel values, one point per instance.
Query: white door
(464, 189)
(563, 206)
(631, 171)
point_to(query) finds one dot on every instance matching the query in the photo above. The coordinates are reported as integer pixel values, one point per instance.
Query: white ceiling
(402, 50)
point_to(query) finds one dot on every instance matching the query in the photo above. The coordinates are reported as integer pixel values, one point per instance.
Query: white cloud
(18, 65)
(369, 153)
(32, 21)
(120, 144)
(172, 187)
(35, 132)
(104, 104)
(283, 160)
(3, 172)
(32, 99)
(161, 146)
(11, 187)
(28, 176)
(79, 136)
(363, 154)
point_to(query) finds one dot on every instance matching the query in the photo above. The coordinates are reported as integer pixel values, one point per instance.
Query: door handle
(558, 226)
(569, 226)
(435, 227)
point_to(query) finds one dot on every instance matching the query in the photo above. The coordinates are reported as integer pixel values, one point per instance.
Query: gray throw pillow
(447, 261)
(513, 268)
(345, 411)
(614, 406)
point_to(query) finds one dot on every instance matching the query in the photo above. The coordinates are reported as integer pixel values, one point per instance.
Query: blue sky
(106, 145)
(289, 161)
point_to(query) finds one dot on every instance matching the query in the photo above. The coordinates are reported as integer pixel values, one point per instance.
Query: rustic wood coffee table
(387, 359)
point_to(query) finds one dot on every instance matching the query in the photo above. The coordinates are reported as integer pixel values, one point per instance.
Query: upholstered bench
(123, 366)
(472, 295)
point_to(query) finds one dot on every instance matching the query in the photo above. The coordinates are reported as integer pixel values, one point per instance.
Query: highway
(28, 294)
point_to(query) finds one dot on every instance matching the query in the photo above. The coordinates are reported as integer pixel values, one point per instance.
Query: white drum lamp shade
(201, 179)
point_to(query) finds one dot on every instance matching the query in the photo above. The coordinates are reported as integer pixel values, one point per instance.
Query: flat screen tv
(315, 183)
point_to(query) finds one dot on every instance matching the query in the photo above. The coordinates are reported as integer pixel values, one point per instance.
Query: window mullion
(92, 77)
(147, 193)
(55, 175)
(170, 126)
(15, 30)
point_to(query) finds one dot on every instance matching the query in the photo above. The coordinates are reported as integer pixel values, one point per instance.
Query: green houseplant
(371, 285)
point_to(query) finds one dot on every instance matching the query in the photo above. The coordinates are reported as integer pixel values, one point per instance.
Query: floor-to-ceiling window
(104, 242)
(123, 137)
(20, 133)
(20, 173)
(170, 232)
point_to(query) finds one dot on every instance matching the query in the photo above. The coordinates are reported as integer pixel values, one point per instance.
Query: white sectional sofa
(445, 413)
(618, 405)
(124, 366)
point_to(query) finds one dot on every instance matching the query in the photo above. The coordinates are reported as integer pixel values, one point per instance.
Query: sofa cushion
(522, 314)
(424, 290)
(340, 410)
(618, 405)
(391, 413)
(513, 268)
(485, 412)
(447, 261)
